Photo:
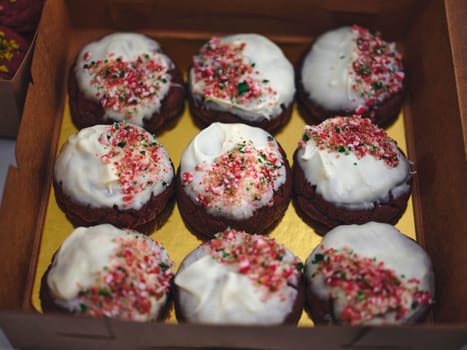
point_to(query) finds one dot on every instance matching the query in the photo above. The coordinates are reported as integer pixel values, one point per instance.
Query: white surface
(7, 158)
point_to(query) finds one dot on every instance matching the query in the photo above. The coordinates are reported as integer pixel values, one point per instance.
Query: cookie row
(358, 275)
(346, 170)
(242, 78)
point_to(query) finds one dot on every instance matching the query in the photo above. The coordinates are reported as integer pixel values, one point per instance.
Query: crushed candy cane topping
(242, 175)
(136, 276)
(265, 262)
(128, 86)
(226, 74)
(377, 70)
(135, 156)
(370, 288)
(353, 134)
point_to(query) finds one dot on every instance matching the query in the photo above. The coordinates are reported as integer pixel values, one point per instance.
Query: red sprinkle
(135, 273)
(261, 258)
(243, 174)
(122, 85)
(370, 288)
(353, 134)
(378, 70)
(136, 158)
(225, 75)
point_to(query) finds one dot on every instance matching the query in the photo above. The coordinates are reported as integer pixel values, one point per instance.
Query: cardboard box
(432, 36)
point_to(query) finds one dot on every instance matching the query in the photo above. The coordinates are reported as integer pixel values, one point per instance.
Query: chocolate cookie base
(382, 114)
(86, 113)
(323, 215)
(204, 116)
(151, 216)
(205, 226)
(49, 306)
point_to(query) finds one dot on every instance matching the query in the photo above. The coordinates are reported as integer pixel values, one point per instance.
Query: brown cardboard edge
(42, 209)
(27, 330)
(24, 187)
(416, 197)
(456, 12)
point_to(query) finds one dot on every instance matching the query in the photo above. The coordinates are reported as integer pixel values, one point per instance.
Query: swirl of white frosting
(223, 186)
(126, 74)
(100, 168)
(385, 244)
(350, 181)
(272, 71)
(329, 76)
(88, 254)
(214, 292)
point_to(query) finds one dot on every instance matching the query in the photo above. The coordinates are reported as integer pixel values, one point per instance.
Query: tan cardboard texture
(28, 331)
(434, 115)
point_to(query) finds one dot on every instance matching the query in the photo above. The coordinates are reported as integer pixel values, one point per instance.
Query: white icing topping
(107, 165)
(262, 71)
(90, 259)
(211, 291)
(387, 245)
(126, 74)
(232, 169)
(332, 70)
(349, 180)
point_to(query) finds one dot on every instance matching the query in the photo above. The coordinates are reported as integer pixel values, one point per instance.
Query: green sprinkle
(82, 307)
(265, 81)
(318, 258)
(306, 137)
(163, 266)
(164, 184)
(242, 88)
(142, 152)
(121, 144)
(378, 85)
(104, 292)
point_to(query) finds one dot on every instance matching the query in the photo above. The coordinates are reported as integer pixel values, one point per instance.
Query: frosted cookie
(233, 175)
(351, 71)
(239, 278)
(118, 174)
(243, 78)
(105, 272)
(125, 77)
(348, 171)
(368, 274)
